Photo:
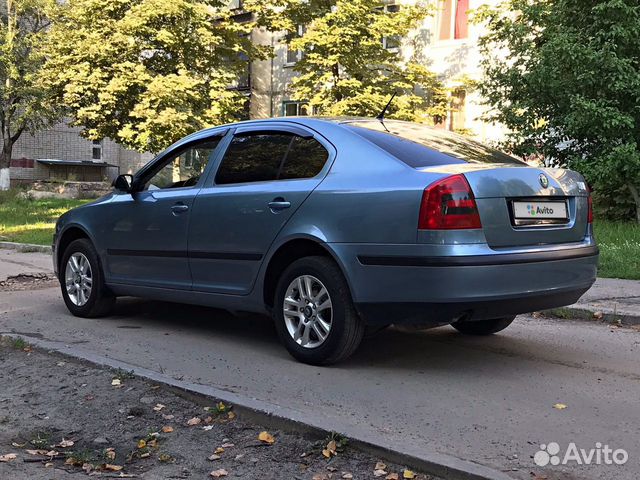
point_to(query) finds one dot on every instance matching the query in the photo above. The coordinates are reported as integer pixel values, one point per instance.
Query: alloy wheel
(78, 279)
(308, 312)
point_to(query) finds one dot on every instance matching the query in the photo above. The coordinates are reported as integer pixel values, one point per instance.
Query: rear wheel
(314, 314)
(82, 281)
(483, 327)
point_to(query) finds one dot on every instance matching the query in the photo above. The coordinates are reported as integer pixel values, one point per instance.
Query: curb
(589, 315)
(282, 418)
(26, 247)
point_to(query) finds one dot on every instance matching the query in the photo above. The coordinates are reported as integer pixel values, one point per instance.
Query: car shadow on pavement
(439, 348)
(136, 313)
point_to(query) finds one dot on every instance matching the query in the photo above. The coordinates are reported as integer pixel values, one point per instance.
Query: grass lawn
(30, 221)
(619, 249)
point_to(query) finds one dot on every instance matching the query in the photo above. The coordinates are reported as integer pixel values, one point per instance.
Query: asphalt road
(489, 400)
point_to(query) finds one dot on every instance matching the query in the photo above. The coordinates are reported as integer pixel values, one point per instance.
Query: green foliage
(564, 76)
(25, 220)
(619, 244)
(26, 103)
(148, 72)
(345, 69)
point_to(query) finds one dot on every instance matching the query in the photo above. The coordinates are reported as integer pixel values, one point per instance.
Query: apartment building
(446, 42)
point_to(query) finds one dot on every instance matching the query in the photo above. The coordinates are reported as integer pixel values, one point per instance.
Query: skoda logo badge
(544, 181)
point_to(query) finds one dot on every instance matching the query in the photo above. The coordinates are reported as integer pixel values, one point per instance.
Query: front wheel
(314, 313)
(82, 281)
(483, 327)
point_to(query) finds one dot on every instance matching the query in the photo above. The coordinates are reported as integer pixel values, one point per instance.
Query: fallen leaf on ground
(36, 452)
(167, 429)
(113, 468)
(65, 443)
(231, 415)
(194, 421)
(408, 474)
(221, 472)
(168, 417)
(48, 465)
(392, 476)
(116, 382)
(320, 476)
(52, 453)
(142, 443)
(380, 466)
(214, 457)
(227, 445)
(207, 428)
(18, 445)
(326, 453)
(110, 453)
(559, 406)
(347, 475)
(266, 437)
(379, 473)
(219, 450)
(8, 457)
(598, 315)
(158, 407)
(145, 455)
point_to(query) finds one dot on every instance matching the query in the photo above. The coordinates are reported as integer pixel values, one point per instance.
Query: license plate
(540, 210)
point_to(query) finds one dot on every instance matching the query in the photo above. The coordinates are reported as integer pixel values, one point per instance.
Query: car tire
(86, 297)
(483, 327)
(346, 328)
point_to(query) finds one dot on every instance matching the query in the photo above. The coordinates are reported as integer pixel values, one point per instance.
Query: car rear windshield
(420, 146)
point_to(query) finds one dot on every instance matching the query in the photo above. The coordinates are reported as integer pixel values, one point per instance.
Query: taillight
(448, 204)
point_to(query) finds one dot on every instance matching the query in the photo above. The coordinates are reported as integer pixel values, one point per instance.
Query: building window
(457, 117)
(295, 109)
(454, 20)
(96, 150)
(294, 56)
(391, 42)
(235, 4)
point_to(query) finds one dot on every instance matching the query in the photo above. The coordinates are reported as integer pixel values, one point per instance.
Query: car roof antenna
(380, 117)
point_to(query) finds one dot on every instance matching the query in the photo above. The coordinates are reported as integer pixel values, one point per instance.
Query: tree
(564, 76)
(26, 104)
(145, 73)
(345, 68)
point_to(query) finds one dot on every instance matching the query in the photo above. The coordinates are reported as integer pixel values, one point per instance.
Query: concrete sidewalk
(13, 263)
(610, 299)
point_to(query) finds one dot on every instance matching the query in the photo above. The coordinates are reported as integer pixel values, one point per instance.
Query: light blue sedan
(334, 226)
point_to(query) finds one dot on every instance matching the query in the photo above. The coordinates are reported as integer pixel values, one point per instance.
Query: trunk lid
(523, 205)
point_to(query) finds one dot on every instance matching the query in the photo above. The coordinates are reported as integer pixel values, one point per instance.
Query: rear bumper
(434, 290)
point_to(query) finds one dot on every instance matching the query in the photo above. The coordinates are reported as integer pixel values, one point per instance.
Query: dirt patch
(28, 281)
(64, 419)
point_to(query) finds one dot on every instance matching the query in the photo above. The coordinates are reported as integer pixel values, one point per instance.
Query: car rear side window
(420, 146)
(305, 159)
(261, 157)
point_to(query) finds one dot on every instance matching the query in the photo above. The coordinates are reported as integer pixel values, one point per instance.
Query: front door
(263, 178)
(146, 231)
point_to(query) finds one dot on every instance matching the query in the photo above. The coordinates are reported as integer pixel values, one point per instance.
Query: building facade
(447, 42)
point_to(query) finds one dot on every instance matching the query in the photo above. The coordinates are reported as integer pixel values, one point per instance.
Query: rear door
(262, 179)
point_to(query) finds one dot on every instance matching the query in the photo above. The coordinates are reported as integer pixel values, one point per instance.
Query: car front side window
(184, 168)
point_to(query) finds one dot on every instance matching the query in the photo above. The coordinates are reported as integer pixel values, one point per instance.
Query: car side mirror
(123, 183)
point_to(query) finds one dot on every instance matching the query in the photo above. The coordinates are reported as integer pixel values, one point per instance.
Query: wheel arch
(71, 233)
(288, 252)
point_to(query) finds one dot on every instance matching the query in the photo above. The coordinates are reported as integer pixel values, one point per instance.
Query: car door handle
(179, 208)
(278, 204)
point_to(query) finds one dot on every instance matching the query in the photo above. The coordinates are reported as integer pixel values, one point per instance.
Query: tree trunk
(636, 198)
(5, 163)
